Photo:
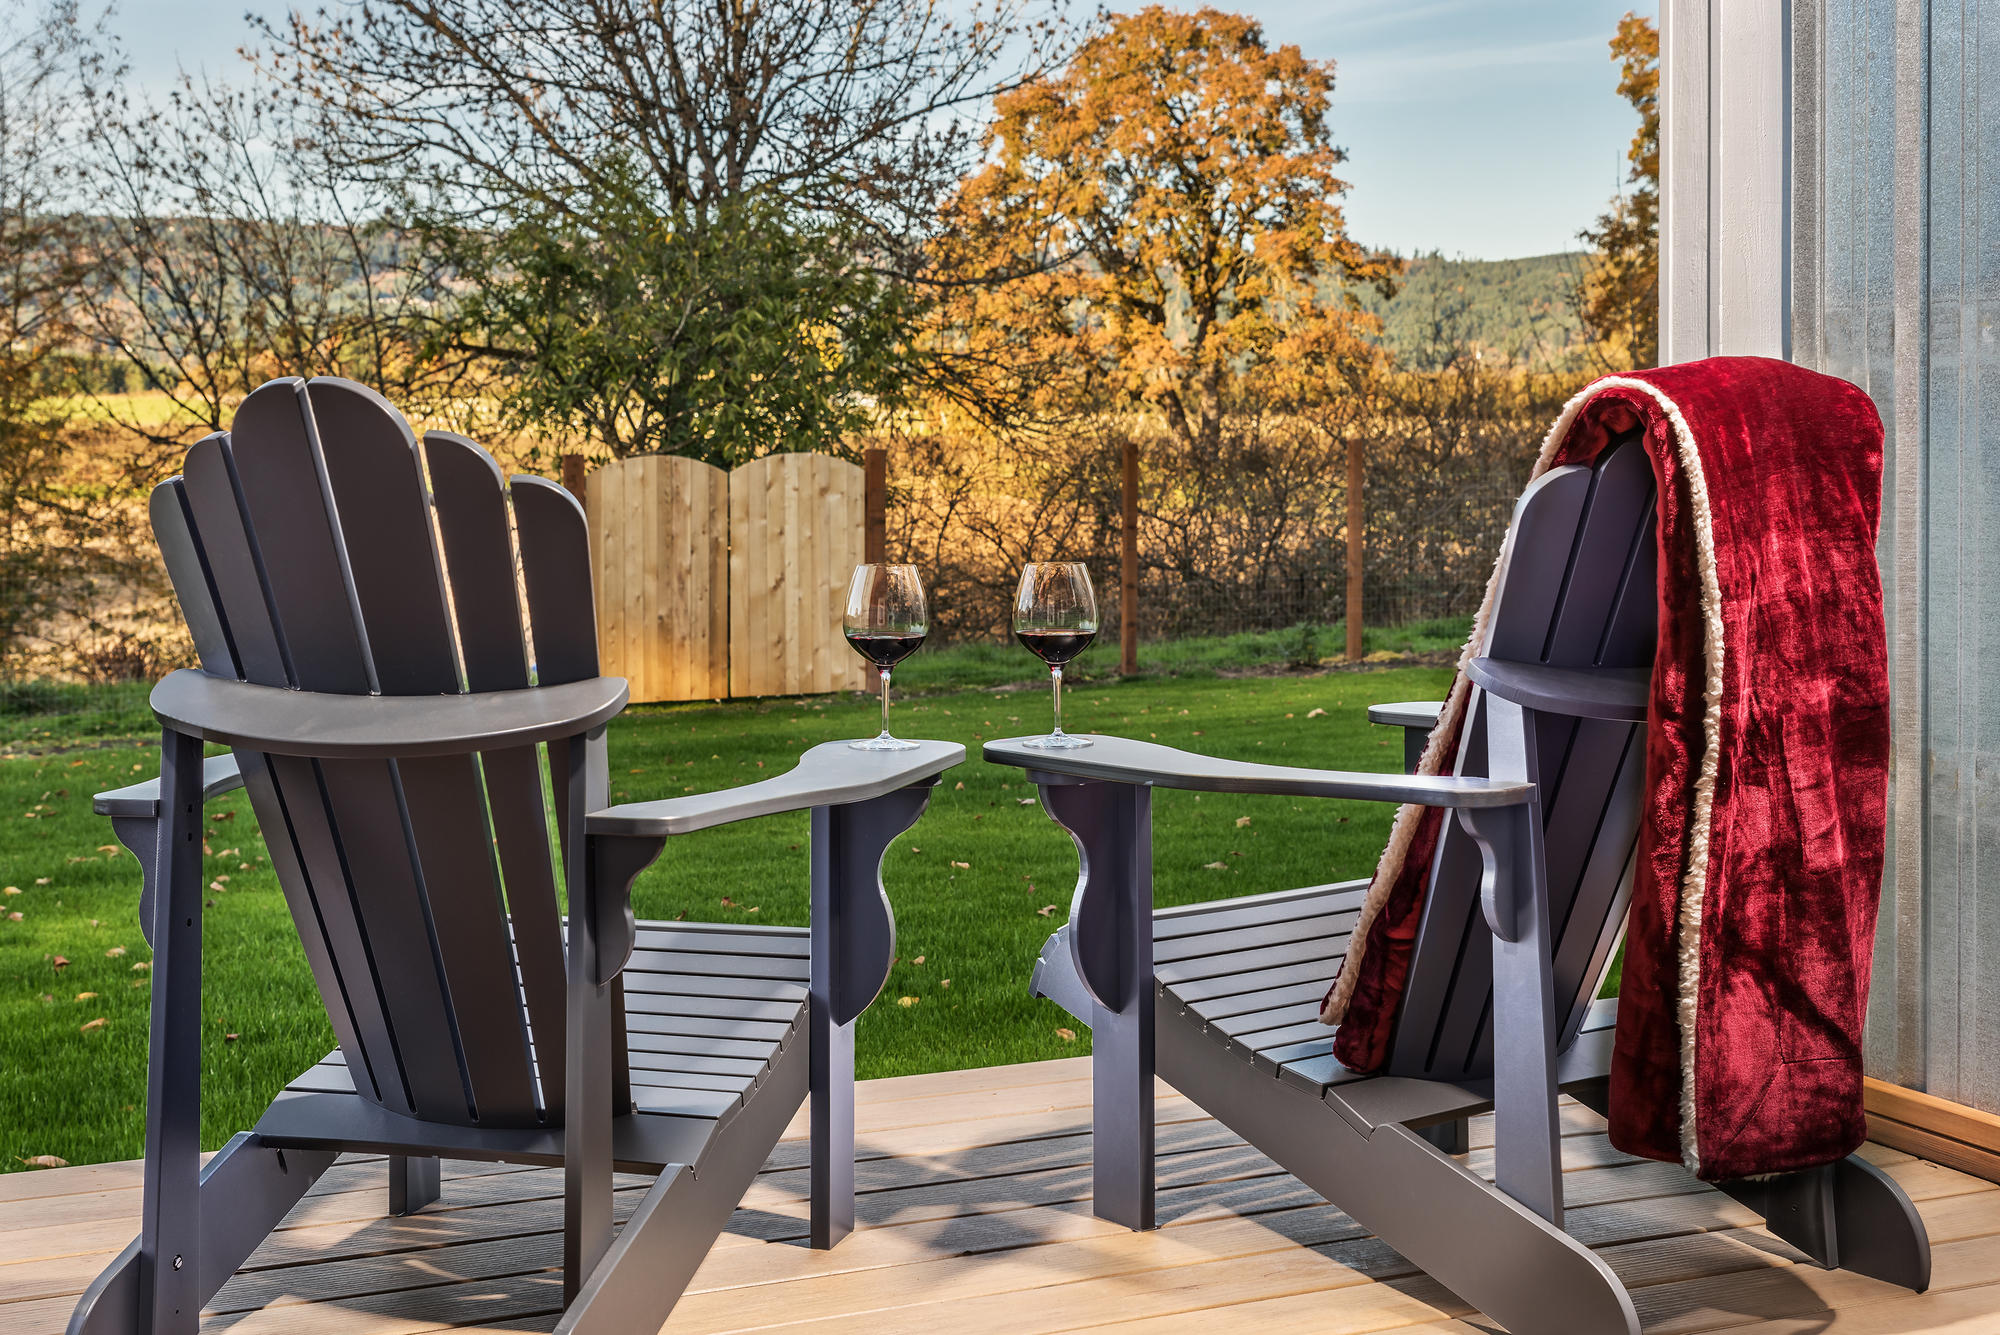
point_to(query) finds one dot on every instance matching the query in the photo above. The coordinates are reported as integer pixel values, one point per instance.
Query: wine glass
(886, 621)
(1055, 616)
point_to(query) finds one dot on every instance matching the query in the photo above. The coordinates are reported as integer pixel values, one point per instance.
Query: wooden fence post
(875, 506)
(1356, 531)
(574, 478)
(1128, 566)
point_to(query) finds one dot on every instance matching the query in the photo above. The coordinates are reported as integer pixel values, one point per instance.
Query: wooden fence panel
(796, 532)
(659, 538)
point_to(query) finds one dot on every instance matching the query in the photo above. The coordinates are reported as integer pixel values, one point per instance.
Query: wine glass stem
(1056, 674)
(885, 702)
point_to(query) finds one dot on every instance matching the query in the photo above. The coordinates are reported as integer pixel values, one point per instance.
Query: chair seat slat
(1316, 969)
(1218, 944)
(1223, 915)
(1221, 1008)
(1289, 952)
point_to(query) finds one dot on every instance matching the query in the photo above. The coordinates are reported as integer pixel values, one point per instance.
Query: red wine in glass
(1055, 616)
(884, 649)
(886, 619)
(1055, 647)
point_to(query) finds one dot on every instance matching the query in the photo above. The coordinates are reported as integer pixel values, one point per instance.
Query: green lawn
(977, 885)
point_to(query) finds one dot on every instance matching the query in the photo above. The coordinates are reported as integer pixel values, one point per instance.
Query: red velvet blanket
(1760, 855)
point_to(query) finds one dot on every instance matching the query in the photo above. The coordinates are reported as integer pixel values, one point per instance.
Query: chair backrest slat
(187, 566)
(234, 572)
(555, 570)
(471, 497)
(285, 504)
(311, 530)
(1577, 590)
(285, 792)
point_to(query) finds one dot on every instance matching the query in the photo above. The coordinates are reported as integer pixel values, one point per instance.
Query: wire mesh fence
(1248, 535)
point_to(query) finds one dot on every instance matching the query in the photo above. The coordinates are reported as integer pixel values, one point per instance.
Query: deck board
(974, 1208)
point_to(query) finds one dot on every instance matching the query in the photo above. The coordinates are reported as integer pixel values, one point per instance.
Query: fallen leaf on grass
(959, 786)
(89, 1025)
(962, 866)
(1045, 910)
(918, 960)
(143, 966)
(112, 849)
(85, 996)
(1066, 1035)
(1242, 821)
(944, 982)
(43, 880)
(1025, 801)
(229, 1038)
(906, 1001)
(11, 890)
(222, 816)
(45, 1161)
(59, 963)
(1315, 713)
(14, 917)
(114, 952)
(1215, 866)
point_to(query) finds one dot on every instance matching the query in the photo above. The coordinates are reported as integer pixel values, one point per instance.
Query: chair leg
(1121, 1119)
(1488, 1248)
(1111, 946)
(1452, 1137)
(169, 1258)
(413, 1183)
(246, 1191)
(643, 1274)
(1848, 1215)
(853, 948)
(832, 1173)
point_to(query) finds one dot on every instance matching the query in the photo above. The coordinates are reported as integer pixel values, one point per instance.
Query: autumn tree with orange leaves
(1618, 295)
(1158, 223)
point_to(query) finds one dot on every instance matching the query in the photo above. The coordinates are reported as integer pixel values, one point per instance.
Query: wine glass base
(1058, 741)
(884, 743)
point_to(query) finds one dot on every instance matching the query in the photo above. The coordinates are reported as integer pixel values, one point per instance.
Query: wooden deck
(975, 1218)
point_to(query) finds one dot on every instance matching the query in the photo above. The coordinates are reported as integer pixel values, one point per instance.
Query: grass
(977, 885)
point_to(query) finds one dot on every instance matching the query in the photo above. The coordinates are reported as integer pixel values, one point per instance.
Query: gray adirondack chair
(1525, 910)
(352, 593)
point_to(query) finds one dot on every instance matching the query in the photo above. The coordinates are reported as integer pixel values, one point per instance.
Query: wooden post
(875, 506)
(574, 478)
(1356, 531)
(1128, 566)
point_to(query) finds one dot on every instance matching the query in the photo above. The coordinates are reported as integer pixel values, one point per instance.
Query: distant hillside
(1519, 308)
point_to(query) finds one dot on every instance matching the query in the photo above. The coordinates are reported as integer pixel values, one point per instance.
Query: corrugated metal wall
(1896, 286)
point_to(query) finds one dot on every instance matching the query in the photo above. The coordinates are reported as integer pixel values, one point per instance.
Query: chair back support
(319, 545)
(1577, 590)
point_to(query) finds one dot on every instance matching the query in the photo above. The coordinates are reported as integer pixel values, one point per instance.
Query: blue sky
(1483, 128)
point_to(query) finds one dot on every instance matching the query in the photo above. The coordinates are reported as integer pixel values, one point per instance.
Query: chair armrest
(1618, 694)
(219, 775)
(285, 722)
(1122, 760)
(1407, 714)
(831, 774)
(1417, 718)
